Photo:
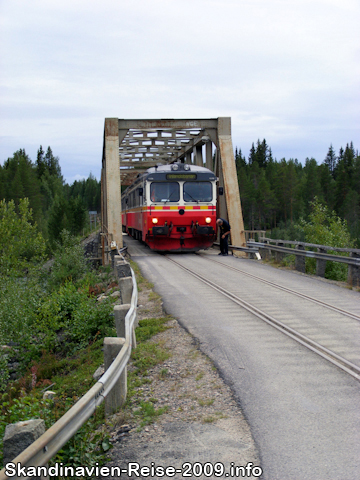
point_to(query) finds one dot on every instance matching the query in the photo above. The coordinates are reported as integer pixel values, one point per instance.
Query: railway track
(326, 353)
(287, 290)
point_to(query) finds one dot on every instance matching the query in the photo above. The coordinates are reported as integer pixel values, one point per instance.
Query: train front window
(197, 192)
(164, 192)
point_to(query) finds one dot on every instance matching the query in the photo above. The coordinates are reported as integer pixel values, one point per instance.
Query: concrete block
(125, 287)
(120, 312)
(122, 269)
(321, 264)
(300, 260)
(279, 256)
(354, 272)
(117, 396)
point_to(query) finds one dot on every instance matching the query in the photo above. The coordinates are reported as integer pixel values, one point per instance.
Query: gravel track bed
(203, 422)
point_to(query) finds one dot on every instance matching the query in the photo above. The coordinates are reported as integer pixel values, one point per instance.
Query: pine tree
(52, 164)
(40, 163)
(252, 155)
(330, 160)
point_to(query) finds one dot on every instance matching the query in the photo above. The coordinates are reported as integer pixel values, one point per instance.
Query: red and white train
(172, 208)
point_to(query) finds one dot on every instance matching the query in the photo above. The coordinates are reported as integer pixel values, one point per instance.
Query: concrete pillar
(279, 256)
(222, 211)
(300, 260)
(354, 272)
(19, 436)
(122, 268)
(120, 312)
(231, 185)
(117, 396)
(113, 185)
(265, 252)
(125, 287)
(320, 264)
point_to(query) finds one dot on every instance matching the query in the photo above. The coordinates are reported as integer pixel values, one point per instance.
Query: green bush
(68, 318)
(69, 261)
(22, 247)
(4, 372)
(326, 228)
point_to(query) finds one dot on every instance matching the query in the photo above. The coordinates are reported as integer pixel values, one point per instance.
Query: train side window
(164, 192)
(139, 196)
(197, 192)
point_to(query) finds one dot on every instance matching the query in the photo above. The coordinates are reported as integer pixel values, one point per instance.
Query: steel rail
(327, 354)
(46, 446)
(288, 290)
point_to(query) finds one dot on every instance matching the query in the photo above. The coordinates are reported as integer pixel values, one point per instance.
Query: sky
(284, 70)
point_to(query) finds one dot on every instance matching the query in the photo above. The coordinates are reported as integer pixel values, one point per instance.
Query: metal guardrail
(45, 447)
(306, 253)
(310, 245)
(251, 249)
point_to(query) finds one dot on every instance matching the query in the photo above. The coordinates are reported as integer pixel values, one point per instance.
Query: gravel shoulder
(202, 422)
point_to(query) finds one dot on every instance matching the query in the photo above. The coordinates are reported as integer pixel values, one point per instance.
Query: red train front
(172, 208)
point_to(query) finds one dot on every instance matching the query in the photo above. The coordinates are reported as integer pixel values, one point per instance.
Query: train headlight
(186, 166)
(174, 166)
(155, 220)
(207, 220)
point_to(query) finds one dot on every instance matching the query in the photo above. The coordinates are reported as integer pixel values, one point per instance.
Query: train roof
(177, 166)
(183, 171)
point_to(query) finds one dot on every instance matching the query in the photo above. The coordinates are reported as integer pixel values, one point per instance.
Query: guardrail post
(125, 287)
(122, 267)
(120, 312)
(265, 252)
(19, 436)
(279, 256)
(354, 272)
(300, 260)
(320, 264)
(117, 396)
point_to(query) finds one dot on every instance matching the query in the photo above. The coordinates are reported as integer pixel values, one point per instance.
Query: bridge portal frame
(131, 146)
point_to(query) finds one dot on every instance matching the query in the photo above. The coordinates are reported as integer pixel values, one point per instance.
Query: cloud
(285, 71)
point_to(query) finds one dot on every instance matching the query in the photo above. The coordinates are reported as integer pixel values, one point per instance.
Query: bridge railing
(269, 246)
(45, 447)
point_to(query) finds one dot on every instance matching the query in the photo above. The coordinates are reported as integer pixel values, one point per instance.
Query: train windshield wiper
(171, 194)
(187, 193)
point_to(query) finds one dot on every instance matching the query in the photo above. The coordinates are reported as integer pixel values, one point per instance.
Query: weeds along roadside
(68, 370)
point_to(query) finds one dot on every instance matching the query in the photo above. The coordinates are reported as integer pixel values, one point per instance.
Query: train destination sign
(181, 176)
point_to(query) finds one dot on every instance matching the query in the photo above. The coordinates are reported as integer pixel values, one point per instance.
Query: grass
(148, 413)
(147, 355)
(150, 327)
(163, 373)
(213, 418)
(205, 403)
(140, 280)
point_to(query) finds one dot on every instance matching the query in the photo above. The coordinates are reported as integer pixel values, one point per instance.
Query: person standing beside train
(225, 230)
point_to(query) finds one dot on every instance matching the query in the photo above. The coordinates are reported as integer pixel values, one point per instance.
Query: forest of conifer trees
(275, 195)
(55, 204)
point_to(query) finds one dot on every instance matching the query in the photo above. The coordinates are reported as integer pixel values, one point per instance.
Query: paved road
(303, 412)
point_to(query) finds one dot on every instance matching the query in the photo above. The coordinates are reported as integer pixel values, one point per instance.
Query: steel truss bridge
(132, 146)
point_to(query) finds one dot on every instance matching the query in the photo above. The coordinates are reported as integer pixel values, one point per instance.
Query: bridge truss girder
(132, 146)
